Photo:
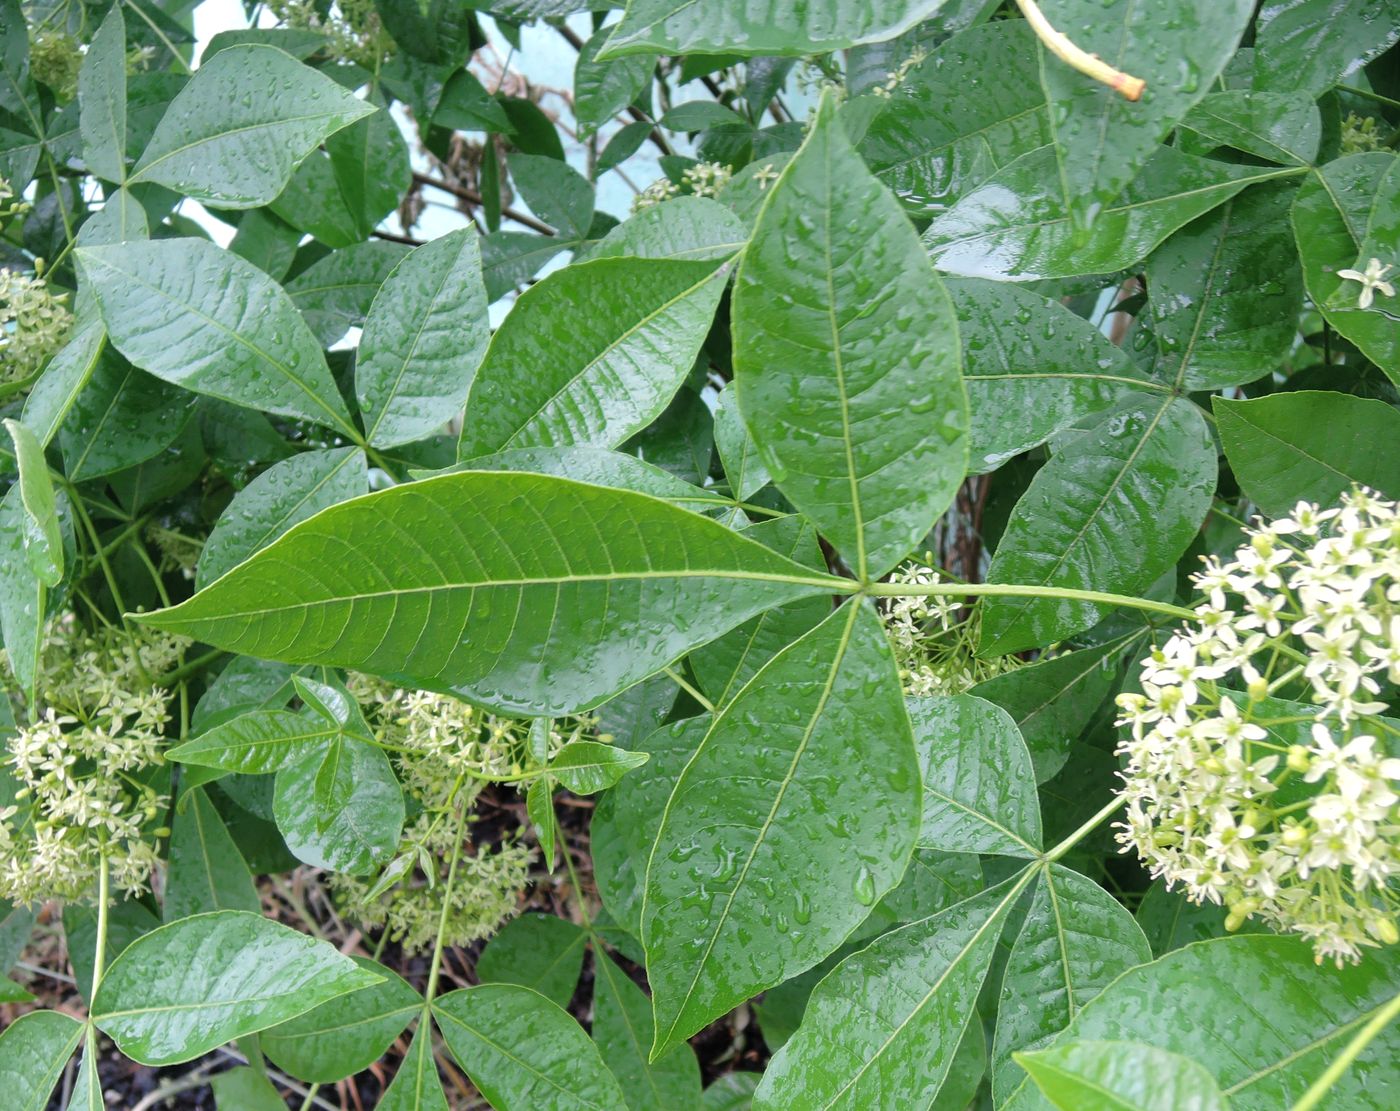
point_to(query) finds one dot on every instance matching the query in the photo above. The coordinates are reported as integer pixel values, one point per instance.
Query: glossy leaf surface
(591, 354)
(1188, 1003)
(284, 494)
(206, 320)
(235, 133)
(413, 590)
(33, 1051)
(1311, 445)
(979, 790)
(840, 329)
(1111, 511)
(739, 892)
(1074, 941)
(884, 1027)
(192, 985)
(523, 1052)
(423, 340)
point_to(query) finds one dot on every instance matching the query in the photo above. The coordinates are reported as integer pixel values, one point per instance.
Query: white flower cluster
(1274, 808)
(87, 771)
(34, 323)
(704, 179)
(935, 649)
(896, 77)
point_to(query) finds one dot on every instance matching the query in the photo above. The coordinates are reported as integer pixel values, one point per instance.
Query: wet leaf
(658, 579)
(841, 328)
(739, 889)
(537, 951)
(423, 339)
(606, 345)
(280, 497)
(1309, 445)
(979, 791)
(33, 1051)
(204, 319)
(523, 1052)
(1114, 1076)
(235, 133)
(1111, 511)
(190, 986)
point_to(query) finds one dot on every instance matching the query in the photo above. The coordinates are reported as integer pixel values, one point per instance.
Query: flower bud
(1299, 759)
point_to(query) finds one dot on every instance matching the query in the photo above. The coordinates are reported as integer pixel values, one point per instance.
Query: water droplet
(865, 887)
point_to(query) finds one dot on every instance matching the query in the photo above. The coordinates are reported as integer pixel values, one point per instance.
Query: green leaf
(235, 133)
(120, 418)
(596, 466)
(420, 594)
(555, 192)
(587, 767)
(1299, 1016)
(354, 827)
(1012, 228)
(65, 377)
(628, 816)
(195, 984)
(841, 328)
(1075, 940)
(1170, 920)
(245, 1089)
(683, 228)
(127, 921)
(206, 871)
(372, 171)
(203, 318)
(938, 135)
(336, 293)
(1121, 1076)
(41, 536)
(416, 1086)
(622, 1029)
(1032, 368)
(283, 495)
(347, 1034)
(120, 220)
(1309, 445)
(886, 1023)
(539, 808)
(757, 876)
(1332, 222)
(1225, 292)
(604, 89)
(742, 466)
(22, 597)
(1101, 138)
(607, 344)
(725, 665)
(1309, 45)
(87, 1085)
(752, 27)
(537, 951)
(423, 339)
(522, 1052)
(1053, 700)
(979, 790)
(34, 1048)
(1113, 510)
(102, 99)
(512, 258)
(1280, 127)
(258, 742)
(731, 1092)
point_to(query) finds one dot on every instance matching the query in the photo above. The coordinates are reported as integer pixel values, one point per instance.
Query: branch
(1091, 65)
(461, 192)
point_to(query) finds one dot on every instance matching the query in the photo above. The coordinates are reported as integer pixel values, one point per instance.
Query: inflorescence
(1259, 773)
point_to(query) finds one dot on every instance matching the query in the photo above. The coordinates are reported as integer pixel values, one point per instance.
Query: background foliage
(445, 506)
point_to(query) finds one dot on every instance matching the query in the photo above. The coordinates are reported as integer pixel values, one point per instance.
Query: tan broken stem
(1089, 64)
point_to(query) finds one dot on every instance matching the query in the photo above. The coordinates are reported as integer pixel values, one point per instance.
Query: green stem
(573, 880)
(99, 957)
(1323, 1084)
(1016, 590)
(1083, 831)
(435, 969)
(681, 681)
(1367, 94)
(188, 668)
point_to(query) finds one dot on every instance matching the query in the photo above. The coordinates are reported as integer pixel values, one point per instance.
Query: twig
(471, 196)
(1091, 65)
